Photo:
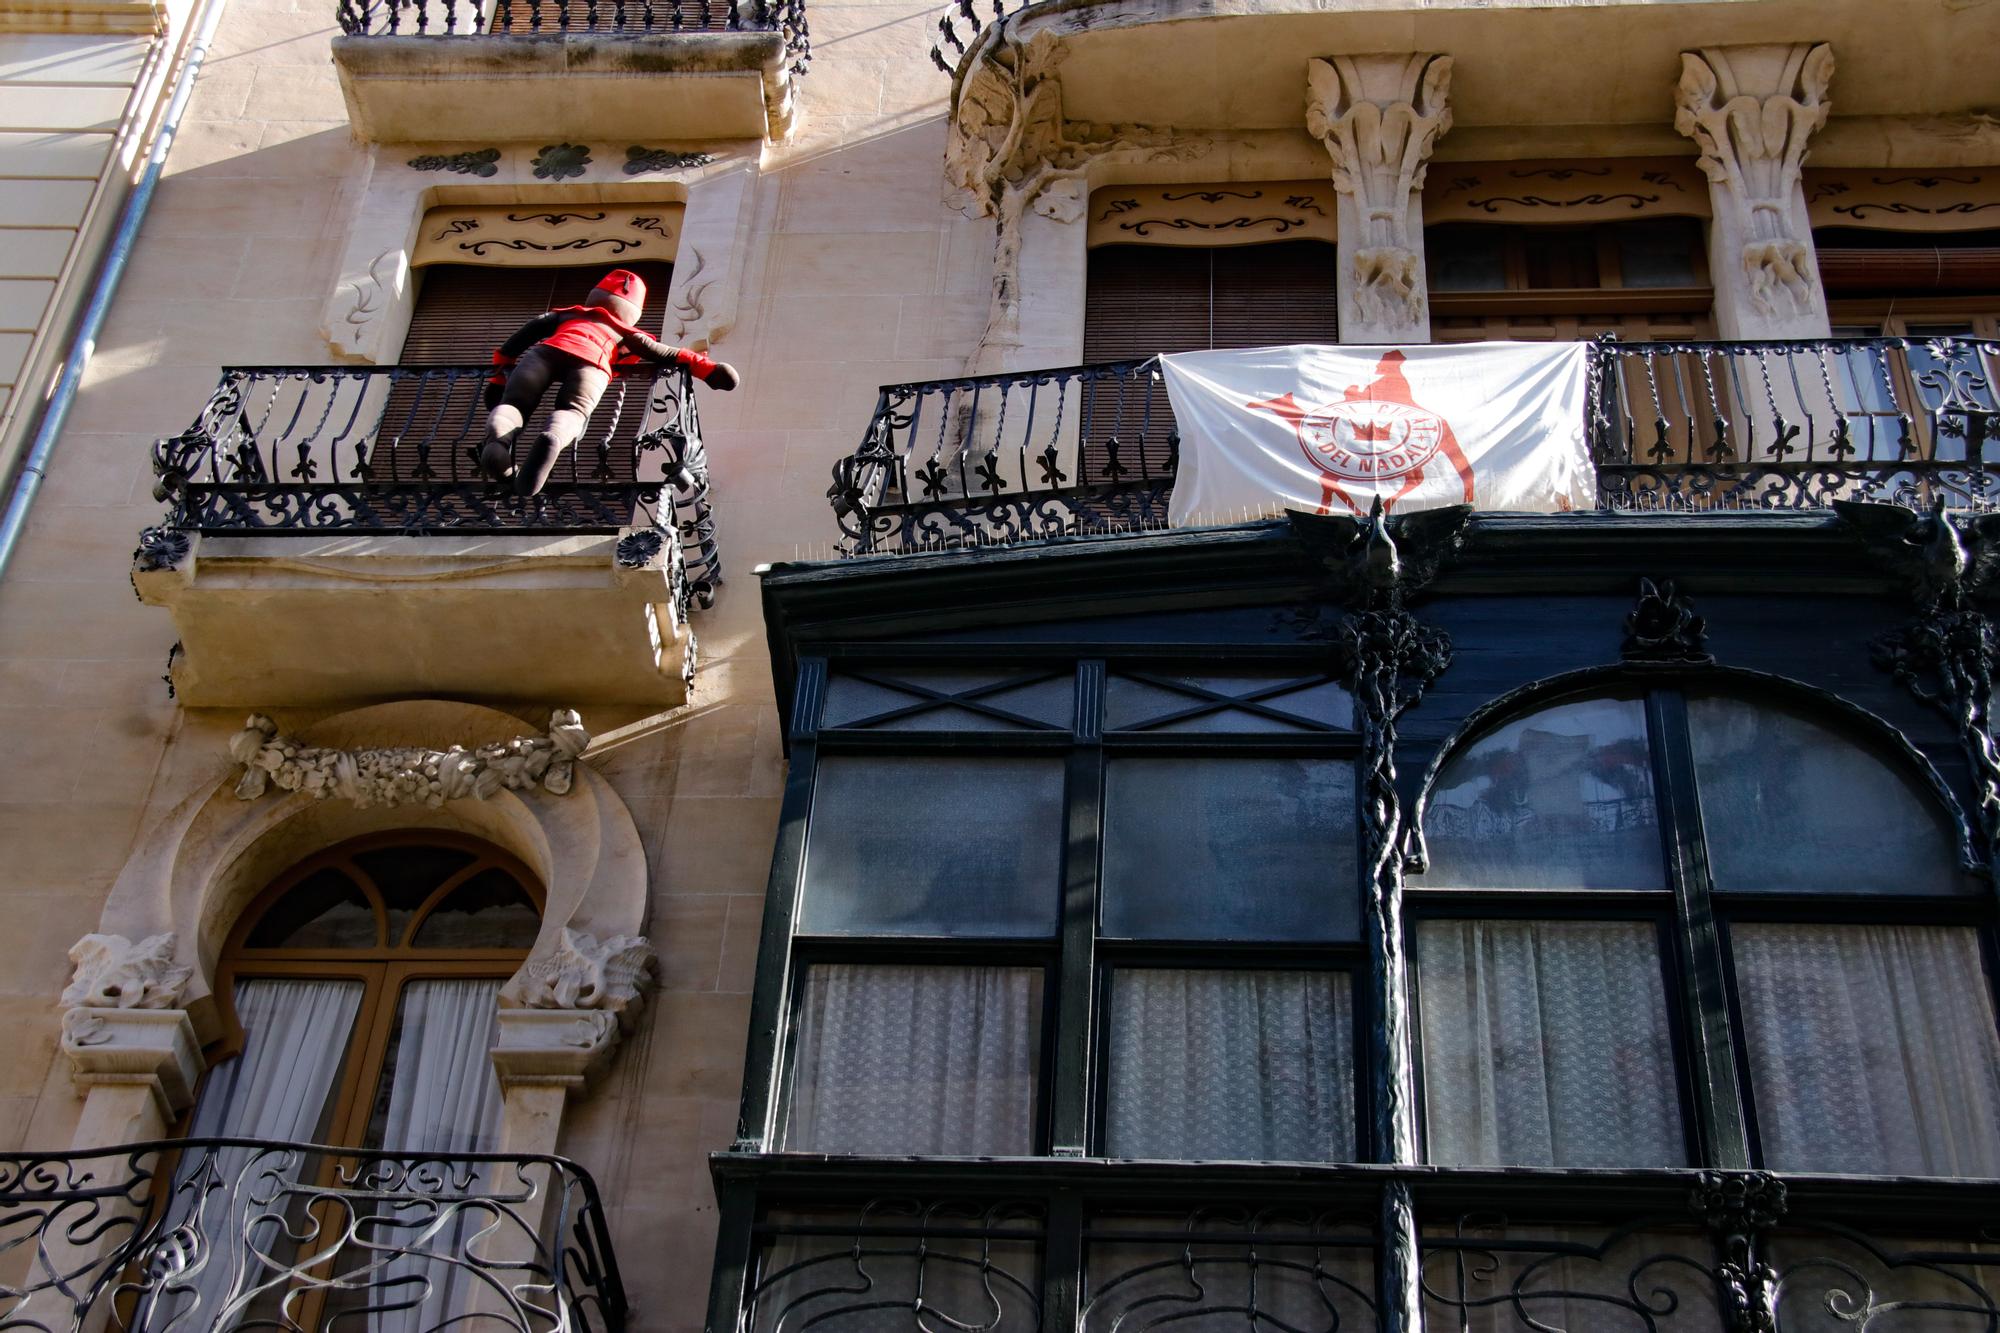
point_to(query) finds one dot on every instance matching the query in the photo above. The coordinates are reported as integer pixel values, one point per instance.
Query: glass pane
(1546, 1043)
(1872, 1049)
(850, 699)
(406, 876)
(1463, 258)
(1231, 1065)
(438, 1091)
(1130, 704)
(1482, 1275)
(938, 1061)
(489, 911)
(325, 910)
(1658, 254)
(871, 1267)
(1790, 807)
(1562, 799)
(934, 846)
(1230, 849)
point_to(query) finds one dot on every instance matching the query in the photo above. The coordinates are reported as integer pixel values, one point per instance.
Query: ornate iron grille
(1672, 427)
(624, 18)
(218, 1233)
(281, 451)
(1130, 1247)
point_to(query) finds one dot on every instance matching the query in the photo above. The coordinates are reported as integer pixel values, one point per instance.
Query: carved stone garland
(1010, 150)
(408, 775)
(1753, 110)
(1379, 117)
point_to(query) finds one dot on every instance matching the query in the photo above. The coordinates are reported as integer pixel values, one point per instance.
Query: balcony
(328, 538)
(1100, 1246)
(1675, 427)
(486, 70)
(222, 1233)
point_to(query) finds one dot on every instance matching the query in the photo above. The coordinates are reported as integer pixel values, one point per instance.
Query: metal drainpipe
(84, 341)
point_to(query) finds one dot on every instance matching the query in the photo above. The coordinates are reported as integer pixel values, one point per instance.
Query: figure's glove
(496, 383)
(721, 375)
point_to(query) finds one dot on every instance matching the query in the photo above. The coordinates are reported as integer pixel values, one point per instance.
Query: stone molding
(531, 236)
(1752, 110)
(1009, 150)
(407, 775)
(579, 971)
(150, 1048)
(121, 18)
(566, 1048)
(111, 972)
(1566, 190)
(1379, 117)
(1929, 199)
(1212, 213)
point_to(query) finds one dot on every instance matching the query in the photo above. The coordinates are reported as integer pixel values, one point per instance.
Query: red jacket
(595, 335)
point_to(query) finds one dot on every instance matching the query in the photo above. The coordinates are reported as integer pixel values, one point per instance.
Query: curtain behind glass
(443, 1098)
(1237, 1066)
(1546, 1044)
(938, 1061)
(295, 1035)
(1873, 1049)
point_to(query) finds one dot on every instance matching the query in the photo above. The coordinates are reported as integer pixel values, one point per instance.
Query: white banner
(1499, 426)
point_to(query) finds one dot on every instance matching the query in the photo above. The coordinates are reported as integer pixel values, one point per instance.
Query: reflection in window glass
(1872, 1049)
(325, 910)
(919, 845)
(940, 1061)
(1546, 1043)
(489, 911)
(1790, 807)
(1230, 849)
(1562, 799)
(1231, 1065)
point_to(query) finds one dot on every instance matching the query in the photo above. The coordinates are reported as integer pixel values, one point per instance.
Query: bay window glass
(934, 845)
(1546, 1043)
(1247, 1065)
(1215, 848)
(932, 1060)
(1790, 807)
(1560, 799)
(1872, 1049)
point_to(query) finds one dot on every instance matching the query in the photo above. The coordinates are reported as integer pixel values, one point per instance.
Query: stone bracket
(563, 1048)
(150, 1048)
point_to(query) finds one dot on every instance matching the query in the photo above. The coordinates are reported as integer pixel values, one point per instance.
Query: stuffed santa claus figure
(576, 349)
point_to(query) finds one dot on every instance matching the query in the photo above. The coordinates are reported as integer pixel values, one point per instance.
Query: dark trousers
(578, 386)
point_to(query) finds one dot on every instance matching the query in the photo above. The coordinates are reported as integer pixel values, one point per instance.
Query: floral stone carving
(407, 775)
(1752, 111)
(1010, 150)
(584, 972)
(114, 973)
(1379, 116)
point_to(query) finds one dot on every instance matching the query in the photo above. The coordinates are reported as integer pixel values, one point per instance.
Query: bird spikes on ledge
(408, 775)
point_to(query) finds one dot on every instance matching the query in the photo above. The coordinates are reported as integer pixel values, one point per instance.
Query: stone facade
(880, 239)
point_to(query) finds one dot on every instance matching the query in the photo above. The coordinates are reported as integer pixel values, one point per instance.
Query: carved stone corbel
(563, 1048)
(1009, 150)
(111, 972)
(1379, 116)
(583, 972)
(153, 1049)
(1753, 110)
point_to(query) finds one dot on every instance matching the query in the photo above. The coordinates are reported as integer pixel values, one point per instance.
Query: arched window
(363, 987)
(1662, 924)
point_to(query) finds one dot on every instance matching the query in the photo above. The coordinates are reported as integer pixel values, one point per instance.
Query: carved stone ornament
(1663, 627)
(1752, 110)
(564, 1047)
(640, 549)
(526, 236)
(161, 547)
(1379, 116)
(1010, 150)
(114, 973)
(584, 972)
(560, 161)
(639, 160)
(124, 1048)
(408, 775)
(479, 162)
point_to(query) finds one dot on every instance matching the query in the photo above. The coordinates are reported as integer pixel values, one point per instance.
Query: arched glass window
(363, 986)
(1658, 924)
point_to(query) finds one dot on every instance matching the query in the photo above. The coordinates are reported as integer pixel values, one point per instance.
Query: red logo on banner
(1377, 432)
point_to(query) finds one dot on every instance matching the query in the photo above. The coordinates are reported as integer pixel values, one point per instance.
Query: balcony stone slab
(280, 621)
(546, 86)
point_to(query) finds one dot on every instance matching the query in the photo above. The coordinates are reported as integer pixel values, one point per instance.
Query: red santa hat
(622, 292)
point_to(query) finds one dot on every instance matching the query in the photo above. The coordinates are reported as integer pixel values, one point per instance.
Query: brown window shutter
(1955, 270)
(463, 313)
(1276, 294)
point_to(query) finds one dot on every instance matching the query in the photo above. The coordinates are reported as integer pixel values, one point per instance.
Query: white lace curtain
(1231, 1065)
(938, 1061)
(1545, 1043)
(1873, 1049)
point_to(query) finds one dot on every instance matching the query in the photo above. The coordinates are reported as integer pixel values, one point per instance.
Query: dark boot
(541, 461)
(496, 460)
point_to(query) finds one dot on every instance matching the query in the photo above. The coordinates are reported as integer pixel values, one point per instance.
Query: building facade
(838, 856)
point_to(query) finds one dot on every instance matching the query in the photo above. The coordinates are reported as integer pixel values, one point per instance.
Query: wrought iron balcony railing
(1112, 1247)
(611, 18)
(1672, 426)
(287, 451)
(203, 1234)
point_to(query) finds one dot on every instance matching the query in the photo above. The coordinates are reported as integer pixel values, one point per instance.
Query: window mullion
(1076, 985)
(1724, 1137)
